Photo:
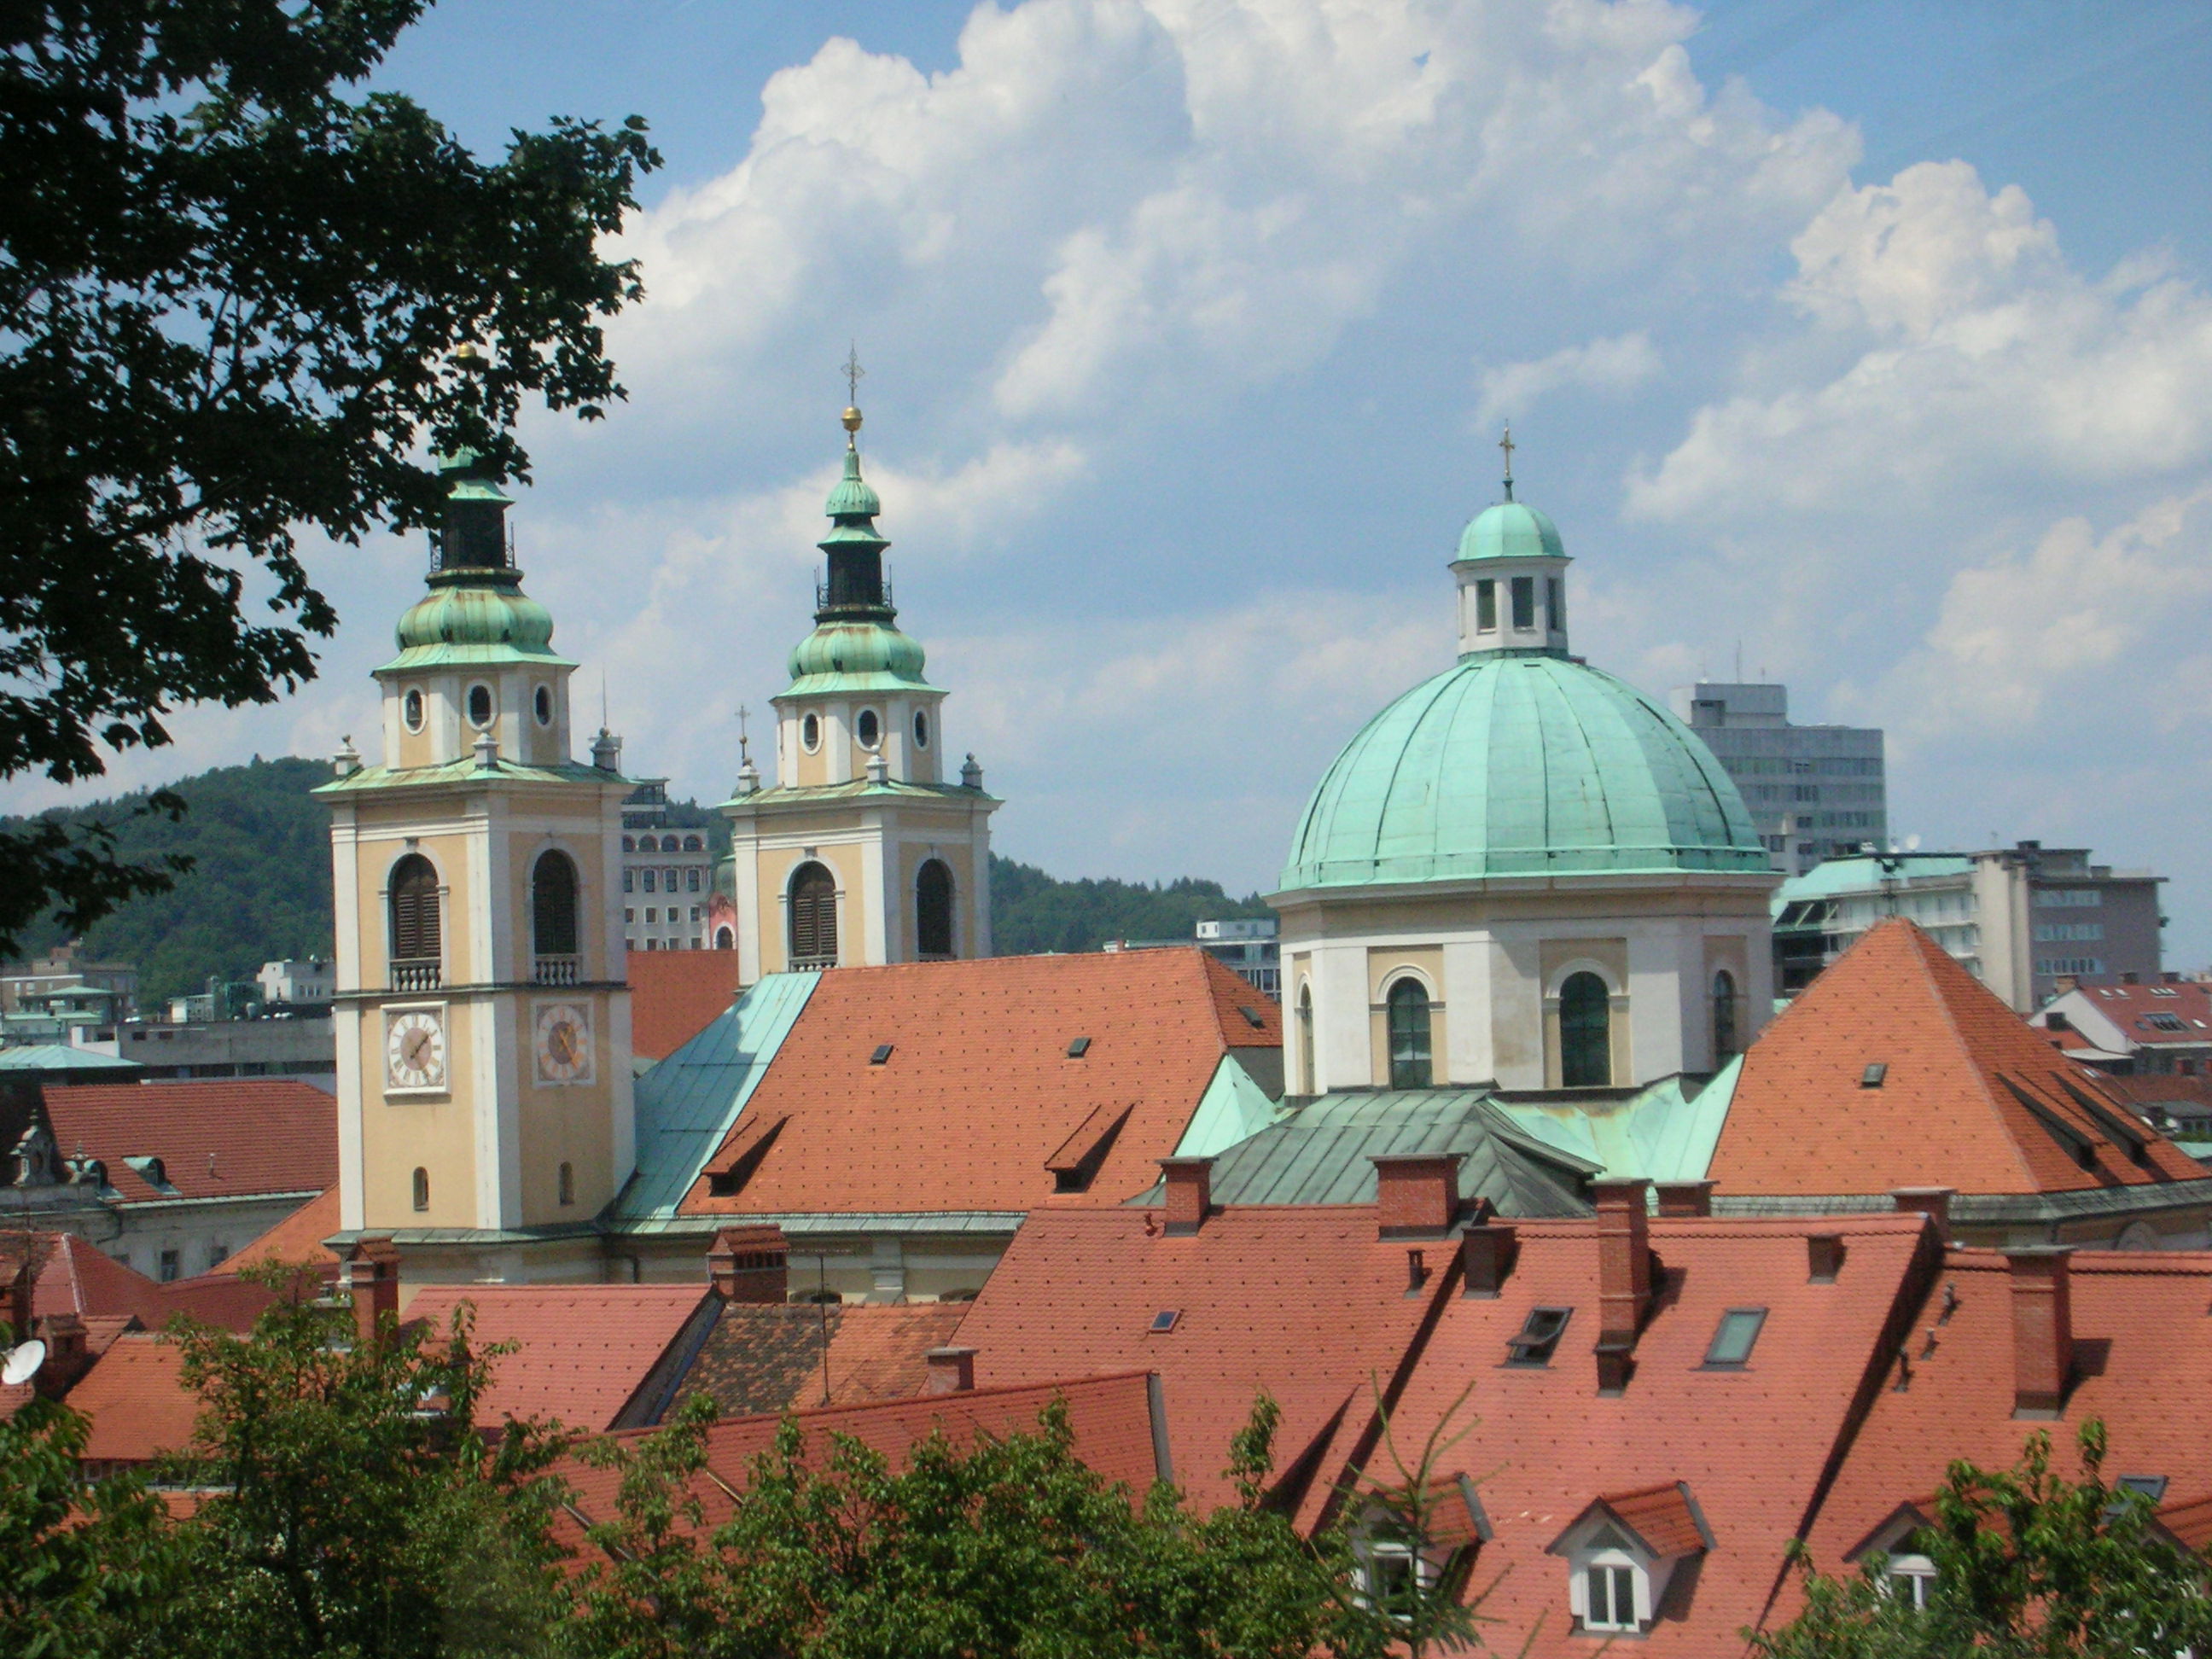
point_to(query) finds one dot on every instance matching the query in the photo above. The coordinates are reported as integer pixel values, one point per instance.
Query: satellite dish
(23, 1364)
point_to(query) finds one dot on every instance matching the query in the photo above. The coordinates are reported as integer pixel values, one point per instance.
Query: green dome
(1511, 530)
(853, 497)
(1520, 764)
(473, 620)
(855, 656)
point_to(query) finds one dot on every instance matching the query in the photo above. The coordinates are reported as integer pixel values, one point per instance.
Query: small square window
(1164, 1320)
(1078, 1048)
(1732, 1342)
(882, 1054)
(1872, 1077)
(1538, 1337)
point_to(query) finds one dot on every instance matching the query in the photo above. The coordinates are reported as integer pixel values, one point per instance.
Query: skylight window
(1253, 1016)
(2152, 1486)
(1732, 1342)
(2163, 1022)
(1164, 1320)
(2164, 991)
(1876, 1072)
(1536, 1339)
(1078, 1048)
(882, 1055)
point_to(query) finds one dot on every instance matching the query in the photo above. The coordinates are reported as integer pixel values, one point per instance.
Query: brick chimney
(1681, 1198)
(751, 1264)
(2042, 1330)
(372, 1276)
(1190, 1193)
(1934, 1201)
(952, 1370)
(69, 1356)
(1416, 1194)
(1486, 1252)
(1624, 1277)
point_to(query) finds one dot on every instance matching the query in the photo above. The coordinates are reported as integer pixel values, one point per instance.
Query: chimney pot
(1624, 1261)
(1932, 1201)
(1190, 1193)
(751, 1264)
(372, 1278)
(2042, 1330)
(952, 1370)
(1616, 1363)
(1824, 1257)
(1416, 1195)
(1486, 1254)
(1685, 1198)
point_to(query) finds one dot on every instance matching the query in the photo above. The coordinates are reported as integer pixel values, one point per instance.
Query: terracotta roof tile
(2144, 1346)
(582, 1352)
(2189, 1523)
(137, 1401)
(1661, 1515)
(765, 1358)
(978, 1090)
(1971, 1097)
(298, 1237)
(222, 1137)
(75, 1278)
(2131, 1007)
(676, 994)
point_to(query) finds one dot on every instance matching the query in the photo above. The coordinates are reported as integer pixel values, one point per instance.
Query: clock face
(415, 1049)
(564, 1042)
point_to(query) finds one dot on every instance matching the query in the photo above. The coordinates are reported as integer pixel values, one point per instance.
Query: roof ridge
(1925, 950)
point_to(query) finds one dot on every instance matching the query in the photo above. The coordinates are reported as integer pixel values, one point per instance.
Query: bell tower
(483, 1022)
(864, 851)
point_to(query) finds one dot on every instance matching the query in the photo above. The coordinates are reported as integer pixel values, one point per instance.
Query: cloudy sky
(1872, 341)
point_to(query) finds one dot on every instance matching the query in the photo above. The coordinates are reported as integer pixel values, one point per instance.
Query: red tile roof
(2188, 1003)
(1108, 1416)
(978, 1091)
(1301, 1301)
(582, 1352)
(2143, 1348)
(768, 1358)
(223, 1138)
(676, 994)
(298, 1237)
(75, 1278)
(1661, 1517)
(137, 1401)
(2189, 1523)
(1971, 1097)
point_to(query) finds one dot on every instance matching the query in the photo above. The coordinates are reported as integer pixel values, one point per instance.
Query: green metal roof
(1665, 1131)
(1520, 764)
(1233, 1108)
(1511, 530)
(61, 1057)
(855, 656)
(687, 1104)
(474, 617)
(1321, 1153)
(466, 770)
(852, 498)
(794, 794)
(1866, 873)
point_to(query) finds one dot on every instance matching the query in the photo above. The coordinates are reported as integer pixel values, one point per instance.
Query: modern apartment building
(1815, 792)
(2026, 920)
(668, 875)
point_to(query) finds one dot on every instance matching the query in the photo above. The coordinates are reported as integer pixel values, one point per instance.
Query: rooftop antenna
(1506, 444)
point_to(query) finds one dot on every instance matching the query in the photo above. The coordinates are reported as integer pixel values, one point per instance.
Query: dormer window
(1622, 1553)
(1416, 1542)
(1907, 1573)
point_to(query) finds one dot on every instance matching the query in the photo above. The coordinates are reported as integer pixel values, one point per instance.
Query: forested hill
(259, 888)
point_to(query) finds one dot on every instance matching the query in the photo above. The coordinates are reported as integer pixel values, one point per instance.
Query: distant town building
(293, 985)
(2159, 1027)
(1815, 792)
(64, 983)
(668, 875)
(2026, 920)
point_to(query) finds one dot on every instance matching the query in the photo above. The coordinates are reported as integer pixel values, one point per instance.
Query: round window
(810, 733)
(921, 728)
(410, 709)
(480, 706)
(868, 729)
(544, 705)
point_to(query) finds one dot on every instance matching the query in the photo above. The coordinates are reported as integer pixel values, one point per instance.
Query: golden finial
(854, 372)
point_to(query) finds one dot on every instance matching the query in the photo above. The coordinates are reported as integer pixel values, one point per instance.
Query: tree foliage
(1031, 911)
(2027, 1566)
(236, 295)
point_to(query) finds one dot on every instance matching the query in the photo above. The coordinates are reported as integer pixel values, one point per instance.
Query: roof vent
(1078, 1048)
(1538, 1336)
(882, 1056)
(1876, 1072)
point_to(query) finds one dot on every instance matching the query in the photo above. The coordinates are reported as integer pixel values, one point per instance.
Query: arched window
(1306, 1042)
(932, 909)
(1409, 1035)
(553, 904)
(1585, 1032)
(691, 880)
(693, 844)
(668, 878)
(724, 940)
(414, 897)
(568, 1183)
(422, 1189)
(813, 918)
(1724, 1038)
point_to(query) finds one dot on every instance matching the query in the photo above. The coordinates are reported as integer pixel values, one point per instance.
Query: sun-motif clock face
(564, 1042)
(415, 1049)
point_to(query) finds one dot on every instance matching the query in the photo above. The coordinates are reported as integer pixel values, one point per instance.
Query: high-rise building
(668, 875)
(1815, 792)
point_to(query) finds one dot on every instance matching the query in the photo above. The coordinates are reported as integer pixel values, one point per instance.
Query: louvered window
(813, 918)
(414, 910)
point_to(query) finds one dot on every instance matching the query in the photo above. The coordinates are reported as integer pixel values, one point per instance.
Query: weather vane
(1506, 444)
(745, 752)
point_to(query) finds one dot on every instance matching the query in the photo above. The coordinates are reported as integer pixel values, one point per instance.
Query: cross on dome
(1506, 444)
(854, 374)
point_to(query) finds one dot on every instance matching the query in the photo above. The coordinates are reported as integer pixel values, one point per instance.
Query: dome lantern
(1511, 571)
